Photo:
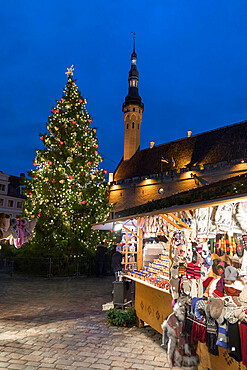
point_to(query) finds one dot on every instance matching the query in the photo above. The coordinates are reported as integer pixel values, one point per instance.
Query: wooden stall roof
(109, 224)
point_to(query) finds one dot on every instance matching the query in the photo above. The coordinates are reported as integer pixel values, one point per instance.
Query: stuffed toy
(28, 227)
(12, 230)
(4, 224)
(180, 352)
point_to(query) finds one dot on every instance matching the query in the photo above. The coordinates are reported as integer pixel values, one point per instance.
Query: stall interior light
(118, 227)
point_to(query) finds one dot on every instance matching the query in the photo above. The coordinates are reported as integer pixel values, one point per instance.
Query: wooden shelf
(147, 284)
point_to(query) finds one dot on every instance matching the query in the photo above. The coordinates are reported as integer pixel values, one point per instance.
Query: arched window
(133, 125)
(127, 126)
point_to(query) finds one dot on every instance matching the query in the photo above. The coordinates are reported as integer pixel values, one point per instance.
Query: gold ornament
(70, 71)
(72, 149)
(61, 181)
(46, 179)
(32, 216)
(80, 193)
(59, 168)
(56, 128)
(48, 127)
(85, 101)
(77, 116)
(41, 158)
(68, 106)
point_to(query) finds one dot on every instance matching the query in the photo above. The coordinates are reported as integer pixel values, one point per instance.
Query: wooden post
(139, 248)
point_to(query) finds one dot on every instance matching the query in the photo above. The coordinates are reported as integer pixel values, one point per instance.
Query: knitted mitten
(186, 285)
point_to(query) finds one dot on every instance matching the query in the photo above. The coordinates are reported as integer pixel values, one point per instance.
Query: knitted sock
(174, 270)
(205, 250)
(189, 253)
(227, 245)
(174, 288)
(193, 292)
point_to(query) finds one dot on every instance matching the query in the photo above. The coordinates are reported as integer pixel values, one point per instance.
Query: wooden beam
(129, 231)
(170, 221)
(179, 221)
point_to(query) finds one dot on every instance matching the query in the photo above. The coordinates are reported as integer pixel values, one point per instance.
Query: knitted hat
(231, 273)
(216, 307)
(219, 291)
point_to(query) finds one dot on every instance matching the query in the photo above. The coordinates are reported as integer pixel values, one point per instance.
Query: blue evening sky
(192, 60)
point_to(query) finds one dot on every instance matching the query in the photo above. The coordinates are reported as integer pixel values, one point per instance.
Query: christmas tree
(67, 191)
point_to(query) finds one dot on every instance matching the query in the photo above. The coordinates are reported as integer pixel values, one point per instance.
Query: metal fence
(48, 267)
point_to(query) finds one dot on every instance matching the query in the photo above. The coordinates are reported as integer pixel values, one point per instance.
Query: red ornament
(80, 100)
(89, 162)
(90, 120)
(35, 176)
(88, 131)
(71, 177)
(41, 138)
(53, 180)
(52, 110)
(106, 240)
(77, 144)
(96, 146)
(83, 202)
(73, 83)
(62, 100)
(39, 214)
(57, 111)
(95, 152)
(61, 142)
(50, 162)
(30, 194)
(84, 214)
(74, 122)
(42, 229)
(105, 172)
(35, 164)
(58, 150)
(81, 173)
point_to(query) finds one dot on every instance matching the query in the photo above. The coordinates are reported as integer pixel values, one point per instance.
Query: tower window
(134, 109)
(133, 125)
(138, 126)
(127, 126)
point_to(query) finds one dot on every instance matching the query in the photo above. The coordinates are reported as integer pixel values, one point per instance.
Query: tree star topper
(70, 71)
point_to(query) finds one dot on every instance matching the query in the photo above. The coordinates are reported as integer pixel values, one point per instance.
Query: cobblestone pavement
(59, 324)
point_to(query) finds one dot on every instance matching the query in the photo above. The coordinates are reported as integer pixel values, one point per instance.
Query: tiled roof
(222, 144)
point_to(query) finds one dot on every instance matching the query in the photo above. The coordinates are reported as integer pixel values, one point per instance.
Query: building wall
(133, 192)
(9, 204)
(132, 127)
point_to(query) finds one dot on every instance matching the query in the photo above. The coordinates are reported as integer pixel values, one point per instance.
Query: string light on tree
(69, 191)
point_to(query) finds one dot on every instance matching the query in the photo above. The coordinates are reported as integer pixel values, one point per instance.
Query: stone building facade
(11, 198)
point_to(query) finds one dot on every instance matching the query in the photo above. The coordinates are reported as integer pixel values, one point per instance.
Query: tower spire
(132, 108)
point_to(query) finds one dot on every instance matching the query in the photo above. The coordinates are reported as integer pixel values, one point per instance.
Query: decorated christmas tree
(67, 191)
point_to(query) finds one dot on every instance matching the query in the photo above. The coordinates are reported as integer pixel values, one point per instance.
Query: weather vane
(70, 71)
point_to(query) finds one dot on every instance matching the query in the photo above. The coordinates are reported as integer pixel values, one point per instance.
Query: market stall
(189, 264)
